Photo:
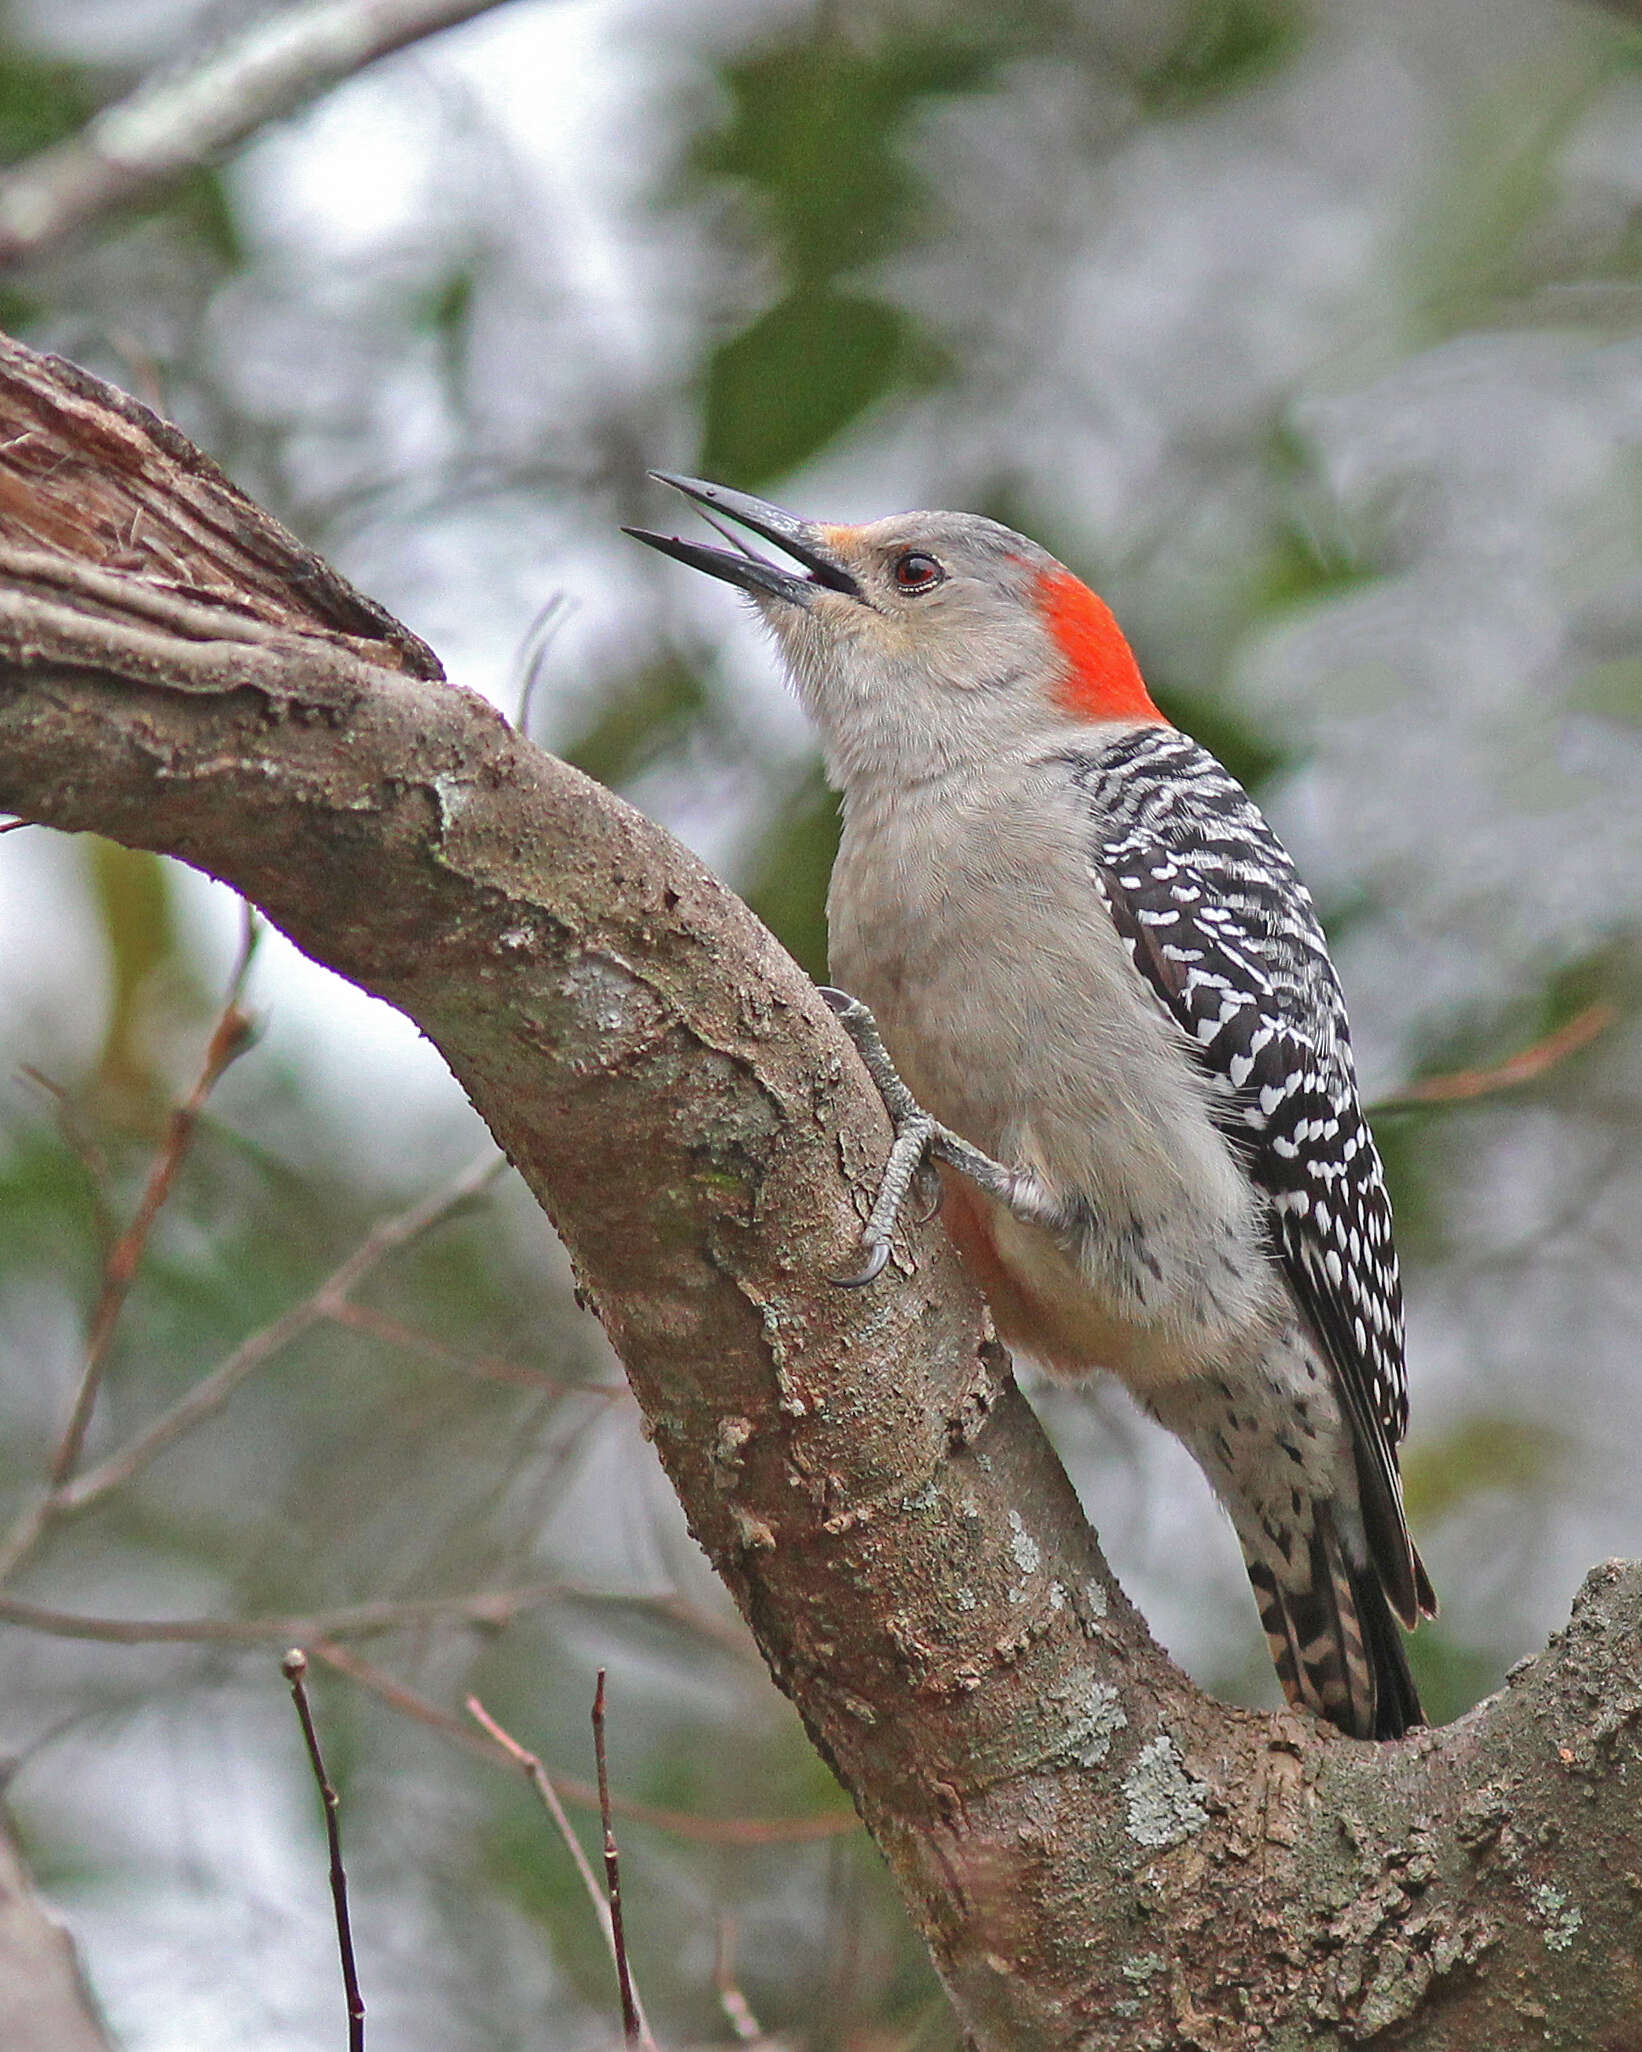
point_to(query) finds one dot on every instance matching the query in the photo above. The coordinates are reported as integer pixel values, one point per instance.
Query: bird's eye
(917, 572)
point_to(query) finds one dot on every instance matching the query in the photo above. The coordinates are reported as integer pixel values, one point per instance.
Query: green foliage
(814, 132)
(42, 100)
(782, 388)
(200, 207)
(1223, 46)
(1519, 1457)
(1450, 1675)
(132, 894)
(1611, 690)
(650, 716)
(17, 309)
(816, 122)
(1303, 565)
(444, 306)
(1409, 1134)
(786, 884)
(1474, 253)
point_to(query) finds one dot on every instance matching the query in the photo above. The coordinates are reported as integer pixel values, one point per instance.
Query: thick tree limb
(45, 2005)
(1097, 1855)
(187, 117)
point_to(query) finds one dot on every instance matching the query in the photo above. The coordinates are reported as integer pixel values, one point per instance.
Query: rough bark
(1096, 1853)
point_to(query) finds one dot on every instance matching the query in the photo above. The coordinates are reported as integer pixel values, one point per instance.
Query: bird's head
(925, 642)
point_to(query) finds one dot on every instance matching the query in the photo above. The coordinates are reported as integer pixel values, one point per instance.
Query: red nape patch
(1102, 679)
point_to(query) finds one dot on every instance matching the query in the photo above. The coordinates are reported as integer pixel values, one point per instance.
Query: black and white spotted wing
(1225, 934)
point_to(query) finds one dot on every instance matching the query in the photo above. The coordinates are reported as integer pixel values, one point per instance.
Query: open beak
(744, 567)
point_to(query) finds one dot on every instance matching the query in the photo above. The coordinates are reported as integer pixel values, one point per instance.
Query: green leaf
(444, 307)
(784, 387)
(200, 204)
(145, 956)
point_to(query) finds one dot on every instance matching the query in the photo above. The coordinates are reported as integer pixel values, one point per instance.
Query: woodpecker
(1087, 979)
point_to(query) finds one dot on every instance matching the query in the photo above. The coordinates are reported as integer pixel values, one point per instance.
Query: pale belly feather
(1008, 1002)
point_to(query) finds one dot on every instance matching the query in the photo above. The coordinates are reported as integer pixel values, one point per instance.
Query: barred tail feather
(1334, 1642)
(1397, 1701)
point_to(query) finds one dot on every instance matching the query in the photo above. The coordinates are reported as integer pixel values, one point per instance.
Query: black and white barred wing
(1223, 931)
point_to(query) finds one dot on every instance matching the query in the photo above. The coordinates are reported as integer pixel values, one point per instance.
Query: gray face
(916, 643)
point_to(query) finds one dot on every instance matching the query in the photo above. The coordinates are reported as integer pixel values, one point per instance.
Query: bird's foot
(921, 1139)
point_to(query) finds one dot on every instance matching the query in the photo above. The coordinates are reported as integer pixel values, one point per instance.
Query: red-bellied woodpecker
(1093, 964)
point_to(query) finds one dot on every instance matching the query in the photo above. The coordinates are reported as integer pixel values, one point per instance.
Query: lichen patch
(1160, 1797)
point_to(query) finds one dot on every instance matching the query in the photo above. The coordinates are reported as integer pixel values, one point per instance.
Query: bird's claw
(920, 1140)
(908, 1159)
(875, 1259)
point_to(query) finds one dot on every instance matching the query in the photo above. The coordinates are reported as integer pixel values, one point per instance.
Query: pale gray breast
(970, 923)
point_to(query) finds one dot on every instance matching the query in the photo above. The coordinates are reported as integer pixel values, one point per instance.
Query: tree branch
(1096, 1854)
(43, 1998)
(185, 118)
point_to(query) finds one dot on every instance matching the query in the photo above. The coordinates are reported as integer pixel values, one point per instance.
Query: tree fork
(1097, 1854)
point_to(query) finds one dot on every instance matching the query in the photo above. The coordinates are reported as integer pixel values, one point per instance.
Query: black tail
(1337, 1648)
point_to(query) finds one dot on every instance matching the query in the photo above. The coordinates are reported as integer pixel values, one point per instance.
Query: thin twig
(731, 2000)
(1526, 1066)
(80, 1144)
(210, 1394)
(294, 1666)
(537, 1775)
(492, 1608)
(230, 1038)
(539, 638)
(680, 1823)
(612, 1872)
(482, 1367)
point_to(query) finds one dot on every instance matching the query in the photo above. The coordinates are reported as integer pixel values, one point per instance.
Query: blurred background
(1309, 333)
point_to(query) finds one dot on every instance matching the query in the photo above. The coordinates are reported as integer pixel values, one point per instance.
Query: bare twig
(209, 1395)
(229, 1039)
(608, 1915)
(681, 1823)
(84, 1149)
(539, 638)
(737, 2009)
(482, 1367)
(1526, 1066)
(612, 1872)
(213, 1391)
(294, 1667)
(187, 117)
(493, 1608)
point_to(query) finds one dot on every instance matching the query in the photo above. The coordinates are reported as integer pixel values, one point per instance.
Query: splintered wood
(90, 477)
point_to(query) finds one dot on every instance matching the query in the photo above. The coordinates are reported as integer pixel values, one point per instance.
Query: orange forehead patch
(1102, 680)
